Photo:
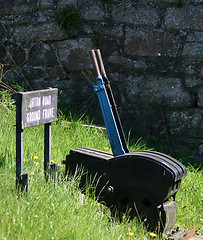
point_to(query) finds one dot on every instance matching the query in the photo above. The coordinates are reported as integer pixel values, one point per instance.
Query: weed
(95, 40)
(171, 30)
(180, 3)
(1, 71)
(105, 1)
(68, 18)
(3, 85)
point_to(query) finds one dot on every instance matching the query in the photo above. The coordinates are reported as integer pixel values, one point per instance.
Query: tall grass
(65, 213)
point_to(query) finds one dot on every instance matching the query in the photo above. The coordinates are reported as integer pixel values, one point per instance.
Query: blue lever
(109, 120)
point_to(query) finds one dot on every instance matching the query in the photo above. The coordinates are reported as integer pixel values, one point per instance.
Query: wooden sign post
(33, 109)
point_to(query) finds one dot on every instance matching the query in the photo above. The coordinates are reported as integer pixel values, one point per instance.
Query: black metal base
(137, 184)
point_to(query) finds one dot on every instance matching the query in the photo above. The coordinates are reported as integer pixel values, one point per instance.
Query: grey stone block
(41, 54)
(18, 6)
(144, 42)
(186, 123)
(12, 53)
(31, 73)
(200, 98)
(187, 17)
(152, 91)
(41, 32)
(129, 14)
(74, 54)
(193, 49)
(193, 82)
(92, 11)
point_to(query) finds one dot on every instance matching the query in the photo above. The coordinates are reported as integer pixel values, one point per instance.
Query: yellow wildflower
(151, 234)
(35, 157)
(36, 163)
(52, 161)
(23, 159)
(130, 234)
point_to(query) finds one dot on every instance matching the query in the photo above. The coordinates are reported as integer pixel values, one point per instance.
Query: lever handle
(95, 63)
(99, 57)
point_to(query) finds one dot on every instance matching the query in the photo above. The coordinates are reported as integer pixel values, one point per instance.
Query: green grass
(68, 18)
(65, 213)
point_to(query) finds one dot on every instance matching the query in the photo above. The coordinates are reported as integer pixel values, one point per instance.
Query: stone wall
(152, 50)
